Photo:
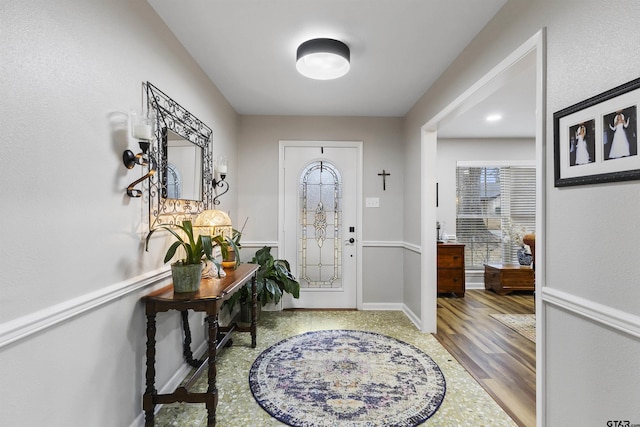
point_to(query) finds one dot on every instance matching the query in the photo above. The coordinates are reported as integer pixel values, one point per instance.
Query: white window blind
(489, 197)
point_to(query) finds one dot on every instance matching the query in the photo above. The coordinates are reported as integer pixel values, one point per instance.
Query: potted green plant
(186, 272)
(273, 280)
(230, 248)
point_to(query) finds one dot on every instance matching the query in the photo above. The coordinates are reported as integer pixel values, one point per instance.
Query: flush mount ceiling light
(323, 59)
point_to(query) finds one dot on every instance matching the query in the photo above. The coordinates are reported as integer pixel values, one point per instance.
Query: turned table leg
(254, 311)
(212, 391)
(186, 345)
(150, 392)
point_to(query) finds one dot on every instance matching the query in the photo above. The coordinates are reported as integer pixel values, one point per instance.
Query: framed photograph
(596, 140)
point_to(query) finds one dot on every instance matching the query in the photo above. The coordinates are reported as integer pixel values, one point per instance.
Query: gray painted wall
(258, 142)
(70, 71)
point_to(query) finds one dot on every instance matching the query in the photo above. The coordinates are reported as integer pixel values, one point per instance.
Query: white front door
(319, 221)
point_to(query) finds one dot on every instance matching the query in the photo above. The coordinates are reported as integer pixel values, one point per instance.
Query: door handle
(350, 241)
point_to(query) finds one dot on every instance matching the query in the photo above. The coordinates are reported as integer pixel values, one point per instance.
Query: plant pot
(523, 257)
(230, 260)
(186, 277)
(244, 316)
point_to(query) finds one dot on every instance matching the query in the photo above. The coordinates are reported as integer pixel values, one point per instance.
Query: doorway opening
(485, 86)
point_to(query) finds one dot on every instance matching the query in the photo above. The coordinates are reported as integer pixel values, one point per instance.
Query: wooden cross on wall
(384, 176)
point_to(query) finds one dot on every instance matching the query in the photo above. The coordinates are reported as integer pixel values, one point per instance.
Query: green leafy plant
(195, 250)
(275, 275)
(274, 279)
(230, 245)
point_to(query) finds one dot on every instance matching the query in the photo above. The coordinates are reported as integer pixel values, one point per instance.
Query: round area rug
(349, 378)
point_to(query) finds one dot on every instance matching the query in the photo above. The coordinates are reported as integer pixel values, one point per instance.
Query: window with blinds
(490, 198)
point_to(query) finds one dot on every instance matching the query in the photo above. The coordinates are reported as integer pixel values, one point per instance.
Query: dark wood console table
(208, 299)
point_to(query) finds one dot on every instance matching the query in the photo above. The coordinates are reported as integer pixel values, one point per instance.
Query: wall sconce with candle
(143, 129)
(220, 173)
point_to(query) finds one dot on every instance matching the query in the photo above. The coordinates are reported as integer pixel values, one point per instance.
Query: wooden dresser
(451, 277)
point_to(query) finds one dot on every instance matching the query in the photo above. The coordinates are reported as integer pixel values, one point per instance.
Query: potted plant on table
(273, 280)
(186, 272)
(230, 248)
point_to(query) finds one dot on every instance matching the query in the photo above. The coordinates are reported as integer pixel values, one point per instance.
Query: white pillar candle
(142, 124)
(222, 165)
(142, 131)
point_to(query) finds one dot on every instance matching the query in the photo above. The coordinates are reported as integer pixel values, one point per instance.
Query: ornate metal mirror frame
(171, 116)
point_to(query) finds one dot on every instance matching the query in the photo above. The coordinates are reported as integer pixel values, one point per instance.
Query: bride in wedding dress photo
(582, 154)
(620, 143)
(582, 143)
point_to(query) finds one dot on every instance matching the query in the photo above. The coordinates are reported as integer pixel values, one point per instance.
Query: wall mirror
(181, 188)
(182, 178)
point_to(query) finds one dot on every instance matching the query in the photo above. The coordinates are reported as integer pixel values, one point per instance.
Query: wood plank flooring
(501, 360)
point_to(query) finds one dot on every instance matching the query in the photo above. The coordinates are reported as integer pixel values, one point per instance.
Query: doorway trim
(429, 137)
(281, 199)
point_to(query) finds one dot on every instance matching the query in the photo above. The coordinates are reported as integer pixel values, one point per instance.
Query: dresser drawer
(450, 257)
(450, 281)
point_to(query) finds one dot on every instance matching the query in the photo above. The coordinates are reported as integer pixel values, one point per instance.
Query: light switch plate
(372, 202)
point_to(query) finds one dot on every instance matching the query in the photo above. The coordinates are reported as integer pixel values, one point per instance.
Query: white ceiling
(398, 50)
(511, 95)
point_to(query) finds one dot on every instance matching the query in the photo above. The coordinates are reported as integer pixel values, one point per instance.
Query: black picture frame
(596, 140)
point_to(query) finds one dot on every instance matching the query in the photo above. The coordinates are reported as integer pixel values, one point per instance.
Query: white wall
(589, 376)
(258, 141)
(72, 260)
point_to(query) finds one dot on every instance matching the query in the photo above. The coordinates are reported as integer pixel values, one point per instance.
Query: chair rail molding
(390, 244)
(30, 324)
(259, 244)
(599, 313)
(365, 244)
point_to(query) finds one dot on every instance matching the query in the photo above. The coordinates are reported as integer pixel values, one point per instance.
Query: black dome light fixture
(323, 59)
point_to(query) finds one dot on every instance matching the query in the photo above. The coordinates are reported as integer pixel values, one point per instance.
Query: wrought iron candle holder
(142, 128)
(221, 183)
(221, 172)
(130, 160)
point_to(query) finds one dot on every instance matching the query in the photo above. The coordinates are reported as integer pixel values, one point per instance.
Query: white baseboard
(374, 306)
(412, 316)
(393, 307)
(270, 306)
(474, 279)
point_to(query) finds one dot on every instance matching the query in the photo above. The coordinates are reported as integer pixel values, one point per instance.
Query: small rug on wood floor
(344, 377)
(524, 324)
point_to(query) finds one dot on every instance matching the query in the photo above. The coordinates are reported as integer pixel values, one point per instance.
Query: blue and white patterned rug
(347, 378)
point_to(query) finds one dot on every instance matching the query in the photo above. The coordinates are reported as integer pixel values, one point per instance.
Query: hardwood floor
(500, 359)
